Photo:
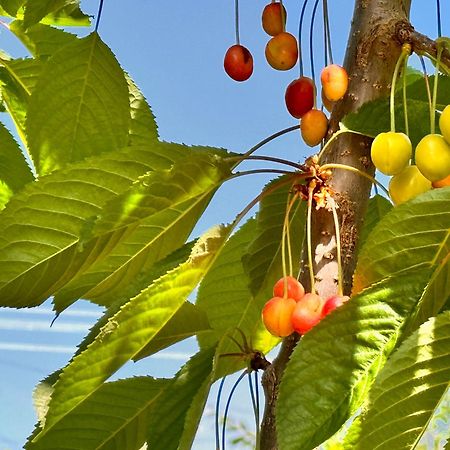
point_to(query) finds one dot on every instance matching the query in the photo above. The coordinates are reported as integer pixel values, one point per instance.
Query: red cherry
(333, 302)
(295, 289)
(238, 63)
(299, 96)
(277, 316)
(307, 313)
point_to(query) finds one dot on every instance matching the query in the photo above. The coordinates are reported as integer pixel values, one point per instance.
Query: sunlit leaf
(63, 123)
(332, 368)
(408, 390)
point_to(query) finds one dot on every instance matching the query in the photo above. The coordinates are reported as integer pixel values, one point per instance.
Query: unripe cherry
(277, 316)
(295, 289)
(314, 127)
(299, 96)
(391, 152)
(307, 313)
(409, 183)
(274, 18)
(334, 80)
(238, 63)
(282, 51)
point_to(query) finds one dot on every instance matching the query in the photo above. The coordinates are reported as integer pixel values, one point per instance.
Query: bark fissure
(379, 28)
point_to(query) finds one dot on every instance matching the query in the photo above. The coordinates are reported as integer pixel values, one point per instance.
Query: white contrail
(35, 325)
(49, 311)
(14, 346)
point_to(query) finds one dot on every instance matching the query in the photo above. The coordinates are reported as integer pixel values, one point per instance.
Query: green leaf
(414, 234)
(157, 213)
(373, 117)
(117, 416)
(408, 390)
(57, 12)
(131, 329)
(180, 406)
(41, 226)
(377, 208)
(14, 171)
(42, 40)
(10, 7)
(65, 114)
(339, 358)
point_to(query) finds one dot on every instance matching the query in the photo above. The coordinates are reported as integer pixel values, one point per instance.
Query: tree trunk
(379, 28)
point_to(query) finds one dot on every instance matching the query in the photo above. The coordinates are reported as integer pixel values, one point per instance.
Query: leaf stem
(355, 170)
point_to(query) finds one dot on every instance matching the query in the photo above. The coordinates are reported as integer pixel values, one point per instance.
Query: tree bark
(378, 30)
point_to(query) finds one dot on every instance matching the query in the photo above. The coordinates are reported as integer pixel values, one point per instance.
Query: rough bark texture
(379, 28)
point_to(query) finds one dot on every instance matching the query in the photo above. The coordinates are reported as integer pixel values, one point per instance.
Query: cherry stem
(435, 89)
(311, 39)
(255, 406)
(99, 14)
(327, 24)
(325, 47)
(258, 171)
(406, 50)
(355, 170)
(236, 21)
(335, 136)
(283, 249)
(427, 85)
(438, 13)
(405, 98)
(219, 395)
(300, 28)
(266, 158)
(288, 236)
(258, 436)
(338, 246)
(227, 406)
(268, 139)
(309, 240)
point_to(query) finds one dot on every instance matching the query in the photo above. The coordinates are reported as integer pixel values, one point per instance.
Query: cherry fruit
(333, 302)
(441, 183)
(307, 313)
(433, 157)
(299, 96)
(314, 127)
(328, 104)
(334, 80)
(295, 289)
(391, 152)
(238, 63)
(408, 184)
(444, 123)
(277, 316)
(274, 18)
(282, 51)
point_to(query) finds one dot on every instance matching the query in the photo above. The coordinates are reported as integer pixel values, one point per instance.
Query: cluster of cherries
(291, 309)
(282, 54)
(391, 153)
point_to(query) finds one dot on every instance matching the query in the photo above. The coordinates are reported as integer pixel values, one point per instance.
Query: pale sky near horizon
(174, 51)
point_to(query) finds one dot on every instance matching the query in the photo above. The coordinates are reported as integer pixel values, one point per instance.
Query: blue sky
(174, 51)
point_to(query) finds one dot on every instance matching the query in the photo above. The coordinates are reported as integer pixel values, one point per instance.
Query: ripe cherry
(238, 63)
(282, 51)
(299, 96)
(441, 183)
(444, 123)
(328, 104)
(391, 152)
(433, 157)
(277, 316)
(334, 80)
(314, 127)
(307, 313)
(333, 302)
(295, 289)
(274, 18)
(408, 184)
